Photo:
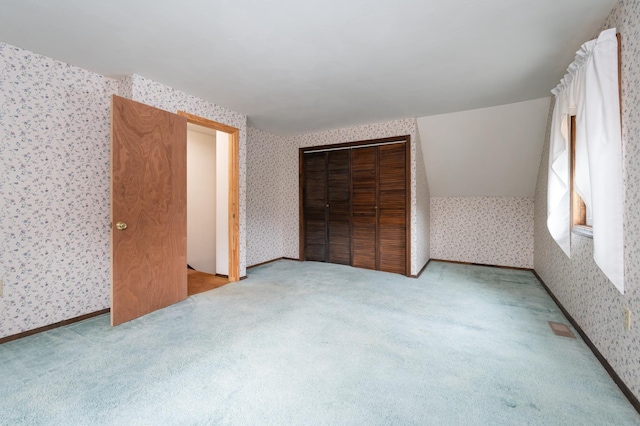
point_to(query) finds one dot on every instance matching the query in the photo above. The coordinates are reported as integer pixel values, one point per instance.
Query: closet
(326, 211)
(354, 204)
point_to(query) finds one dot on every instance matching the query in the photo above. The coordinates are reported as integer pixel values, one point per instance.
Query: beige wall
(222, 203)
(484, 152)
(201, 201)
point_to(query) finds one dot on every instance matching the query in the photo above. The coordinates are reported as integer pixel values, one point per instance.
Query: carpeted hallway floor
(318, 344)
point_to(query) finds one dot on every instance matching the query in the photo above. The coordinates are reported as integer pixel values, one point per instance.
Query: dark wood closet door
(315, 203)
(354, 205)
(339, 204)
(363, 205)
(392, 213)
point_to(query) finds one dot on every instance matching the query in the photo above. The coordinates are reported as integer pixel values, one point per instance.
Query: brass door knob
(121, 226)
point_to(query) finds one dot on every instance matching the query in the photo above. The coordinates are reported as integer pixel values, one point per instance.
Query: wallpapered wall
(55, 248)
(54, 166)
(486, 230)
(285, 193)
(264, 192)
(578, 283)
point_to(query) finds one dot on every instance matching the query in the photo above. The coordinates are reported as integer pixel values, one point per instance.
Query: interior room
(319, 213)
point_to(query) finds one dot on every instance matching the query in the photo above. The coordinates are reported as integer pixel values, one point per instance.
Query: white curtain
(558, 196)
(590, 91)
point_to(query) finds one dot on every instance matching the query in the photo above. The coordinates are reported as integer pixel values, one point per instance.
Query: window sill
(584, 231)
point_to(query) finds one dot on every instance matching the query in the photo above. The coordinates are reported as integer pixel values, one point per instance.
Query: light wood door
(148, 194)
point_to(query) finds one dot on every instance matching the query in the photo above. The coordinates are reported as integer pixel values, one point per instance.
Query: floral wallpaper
(125, 86)
(577, 282)
(55, 184)
(485, 230)
(264, 192)
(54, 161)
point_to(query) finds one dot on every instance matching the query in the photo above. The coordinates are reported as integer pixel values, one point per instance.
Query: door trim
(234, 188)
(350, 145)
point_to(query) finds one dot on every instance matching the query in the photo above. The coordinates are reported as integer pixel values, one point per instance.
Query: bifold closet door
(339, 207)
(327, 204)
(315, 206)
(392, 208)
(354, 206)
(364, 165)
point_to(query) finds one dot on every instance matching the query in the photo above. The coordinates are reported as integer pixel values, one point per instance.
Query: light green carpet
(309, 343)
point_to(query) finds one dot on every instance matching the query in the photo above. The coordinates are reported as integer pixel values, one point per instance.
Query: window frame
(578, 213)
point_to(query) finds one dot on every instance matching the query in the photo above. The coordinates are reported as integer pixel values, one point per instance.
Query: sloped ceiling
(298, 66)
(488, 152)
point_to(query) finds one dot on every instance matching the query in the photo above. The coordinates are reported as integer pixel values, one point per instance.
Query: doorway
(210, 200)
(149, 208)
(207, 206)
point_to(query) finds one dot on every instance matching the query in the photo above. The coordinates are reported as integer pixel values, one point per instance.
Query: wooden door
(315, 206)
(148, 194)
(339, 207)
(363, 207)
(392, 208)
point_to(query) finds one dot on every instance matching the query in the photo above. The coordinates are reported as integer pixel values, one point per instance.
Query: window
(580, 219)
(591, 89)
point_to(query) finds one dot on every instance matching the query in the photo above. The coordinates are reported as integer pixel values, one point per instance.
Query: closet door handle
(327, 205)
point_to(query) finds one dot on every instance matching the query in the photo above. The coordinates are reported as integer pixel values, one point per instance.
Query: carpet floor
(310, 344)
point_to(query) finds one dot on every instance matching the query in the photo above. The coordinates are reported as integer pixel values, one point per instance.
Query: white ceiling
(298, 66)
(488, 152)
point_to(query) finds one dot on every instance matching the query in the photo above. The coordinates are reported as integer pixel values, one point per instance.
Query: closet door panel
(363, 206)
(392, 198)
(315, 200)
(339, 201)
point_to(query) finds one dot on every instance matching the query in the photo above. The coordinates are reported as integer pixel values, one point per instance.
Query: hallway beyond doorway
(199, 282)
